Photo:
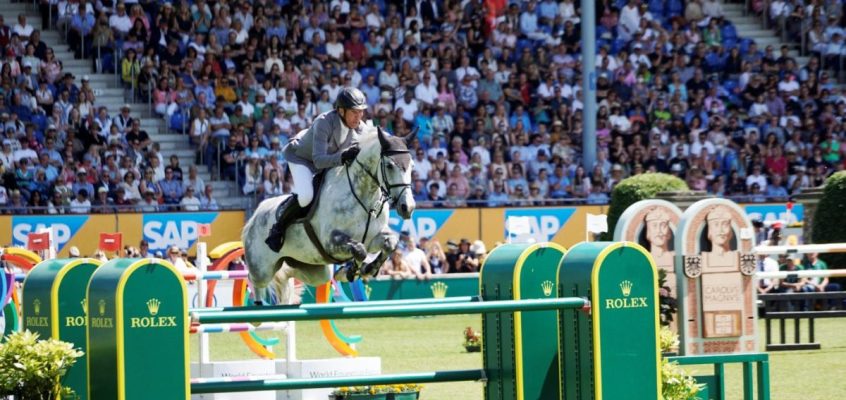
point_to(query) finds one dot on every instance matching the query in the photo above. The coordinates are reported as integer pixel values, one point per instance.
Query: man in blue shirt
(81, 25)
(776, 190)
(171, 187)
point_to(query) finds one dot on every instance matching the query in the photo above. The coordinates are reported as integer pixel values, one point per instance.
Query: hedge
(829, 223)
(636, 188)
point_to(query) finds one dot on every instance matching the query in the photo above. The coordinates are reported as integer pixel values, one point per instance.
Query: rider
(331, 140)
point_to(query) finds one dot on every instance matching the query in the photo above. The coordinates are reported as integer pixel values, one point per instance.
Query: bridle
(386, 188)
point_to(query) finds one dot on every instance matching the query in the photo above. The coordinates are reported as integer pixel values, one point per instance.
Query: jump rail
(228, 386)
(386, 311)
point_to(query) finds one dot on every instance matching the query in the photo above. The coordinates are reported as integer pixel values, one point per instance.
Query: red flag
(204, 230)
(38, 241)
(111, 241)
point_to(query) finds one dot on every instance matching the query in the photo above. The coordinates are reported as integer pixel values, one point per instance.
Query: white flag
(597, 223)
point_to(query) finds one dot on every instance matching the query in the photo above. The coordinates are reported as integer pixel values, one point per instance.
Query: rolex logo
(367, 290)
(102, 306)
(626, 288)
(153, 306)
(84, 304)
(439, 290)
(547, 287)
(37, 320)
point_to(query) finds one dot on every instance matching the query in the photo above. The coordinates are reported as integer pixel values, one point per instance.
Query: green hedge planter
(404, 396)
(378, 396)
(473, 349)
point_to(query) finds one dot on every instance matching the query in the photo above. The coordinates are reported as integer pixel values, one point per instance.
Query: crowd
(492, 88)
(421, 258)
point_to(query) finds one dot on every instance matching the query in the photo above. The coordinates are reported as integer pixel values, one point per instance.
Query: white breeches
(303, 184)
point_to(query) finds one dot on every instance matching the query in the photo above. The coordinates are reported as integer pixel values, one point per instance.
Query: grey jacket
(319, 147)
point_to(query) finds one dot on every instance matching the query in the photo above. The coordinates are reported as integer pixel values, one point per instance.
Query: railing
(110, 209)
(716, 382)
(782, 306)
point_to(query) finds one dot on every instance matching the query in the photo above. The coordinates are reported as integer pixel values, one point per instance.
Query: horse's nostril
(404, 208)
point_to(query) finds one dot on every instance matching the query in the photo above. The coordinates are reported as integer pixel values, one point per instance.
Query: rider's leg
(303, 192)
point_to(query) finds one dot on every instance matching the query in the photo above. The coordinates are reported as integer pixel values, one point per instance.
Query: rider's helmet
(351, 99)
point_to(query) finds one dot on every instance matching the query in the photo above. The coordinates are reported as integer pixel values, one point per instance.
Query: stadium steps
(109, 92)
(750, 26)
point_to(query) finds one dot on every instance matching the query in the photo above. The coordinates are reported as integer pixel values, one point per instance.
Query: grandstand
(123, 105)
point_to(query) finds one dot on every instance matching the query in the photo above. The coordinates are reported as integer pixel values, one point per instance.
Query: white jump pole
(812, 273)
(202, 264)
(801, 249)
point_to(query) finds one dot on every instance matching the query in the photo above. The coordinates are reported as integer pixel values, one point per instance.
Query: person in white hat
(73, 252)
(174, 255)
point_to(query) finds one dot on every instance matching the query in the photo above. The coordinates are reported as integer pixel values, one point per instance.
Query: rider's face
(352, 118)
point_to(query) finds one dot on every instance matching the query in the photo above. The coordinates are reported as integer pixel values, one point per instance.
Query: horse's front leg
(385, 243)
(343, 244)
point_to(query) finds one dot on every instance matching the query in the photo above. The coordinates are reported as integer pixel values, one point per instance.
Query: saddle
(305, 215)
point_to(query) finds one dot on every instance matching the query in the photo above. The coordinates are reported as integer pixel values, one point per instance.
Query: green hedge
(637, 188)
(829, 223)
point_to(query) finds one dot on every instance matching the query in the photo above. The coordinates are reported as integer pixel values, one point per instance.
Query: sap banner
(164, 230)
(160, 230)
(563, 225)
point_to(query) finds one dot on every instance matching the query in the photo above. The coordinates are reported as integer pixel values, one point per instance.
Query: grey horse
(350, 222)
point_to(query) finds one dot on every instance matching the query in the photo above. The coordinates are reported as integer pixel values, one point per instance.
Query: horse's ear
(383, 137)
(410, 135)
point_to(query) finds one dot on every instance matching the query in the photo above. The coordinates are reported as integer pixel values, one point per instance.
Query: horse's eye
(390, 166)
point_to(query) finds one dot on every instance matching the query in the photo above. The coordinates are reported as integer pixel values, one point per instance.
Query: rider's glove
(350, 153)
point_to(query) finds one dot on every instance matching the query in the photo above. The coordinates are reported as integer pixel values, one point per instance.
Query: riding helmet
(351, 98)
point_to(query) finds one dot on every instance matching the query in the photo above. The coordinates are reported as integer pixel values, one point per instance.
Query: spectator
(207, 200)
(81, 204)
(171, 187)
(189, 201)
(396, 267)
(174, 255)
(148, 203)
(416, 259)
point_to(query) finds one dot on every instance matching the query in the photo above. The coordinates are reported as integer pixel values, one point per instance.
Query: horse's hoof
(370, 270)
(359, 252)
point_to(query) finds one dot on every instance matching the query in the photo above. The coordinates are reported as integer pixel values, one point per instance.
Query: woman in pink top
(51, 67)
(164, 99)
(445, 95)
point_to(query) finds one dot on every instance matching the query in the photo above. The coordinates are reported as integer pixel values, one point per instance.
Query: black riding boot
(276, 237)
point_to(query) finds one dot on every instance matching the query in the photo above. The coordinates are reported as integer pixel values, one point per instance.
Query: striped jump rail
(191, 276)
(242, 327)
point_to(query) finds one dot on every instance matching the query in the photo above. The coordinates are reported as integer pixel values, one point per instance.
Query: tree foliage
(829, 223)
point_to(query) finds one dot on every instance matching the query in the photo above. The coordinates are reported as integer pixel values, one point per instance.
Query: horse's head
(396, 166)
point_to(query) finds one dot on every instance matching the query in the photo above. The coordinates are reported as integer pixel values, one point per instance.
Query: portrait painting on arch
(715, 268)
(652, 224)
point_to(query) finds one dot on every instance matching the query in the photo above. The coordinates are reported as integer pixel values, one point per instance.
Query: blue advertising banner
(775, 212)
(535, 224)
(64, 228)
(423, 223)
(175, 229)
